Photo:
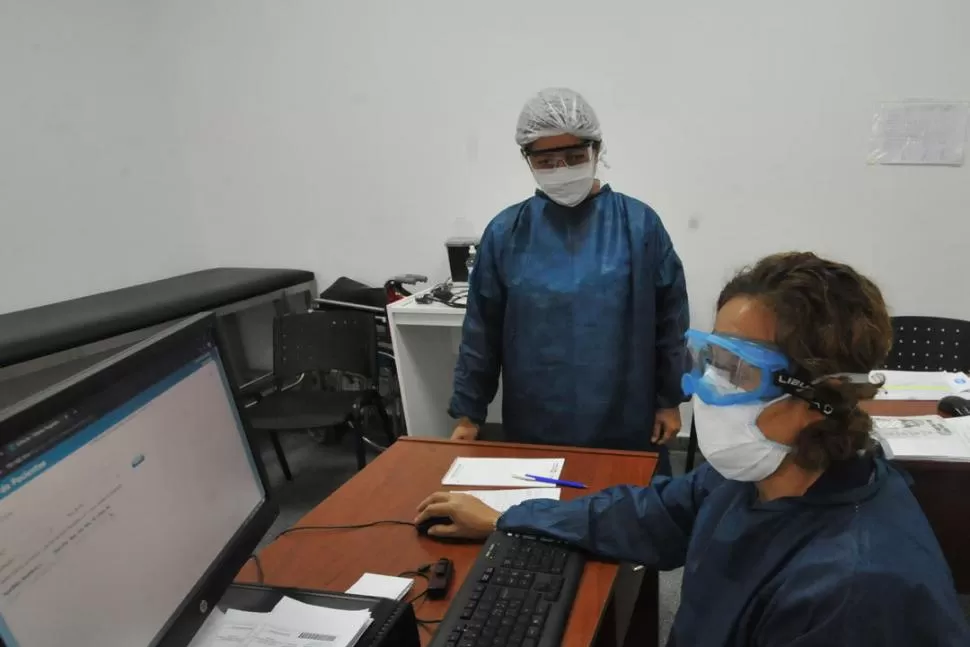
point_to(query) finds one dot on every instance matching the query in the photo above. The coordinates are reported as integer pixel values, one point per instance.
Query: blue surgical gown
(856, 566)
(583, 312)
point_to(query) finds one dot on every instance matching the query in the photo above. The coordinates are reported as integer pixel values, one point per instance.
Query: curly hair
(830, 319)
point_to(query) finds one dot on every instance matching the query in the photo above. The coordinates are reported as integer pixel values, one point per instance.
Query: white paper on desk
(924, 437)
(381, 586)
(502, 500)
(347, 625)
(288, 626)
(919, 132)
(500, 472)
(919, 385)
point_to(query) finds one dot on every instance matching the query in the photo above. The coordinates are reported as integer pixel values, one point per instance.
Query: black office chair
(314, 344)
(929, 344)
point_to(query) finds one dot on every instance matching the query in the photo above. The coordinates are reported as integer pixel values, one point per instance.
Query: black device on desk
(130, 496)
(518, 594)
(954, 406)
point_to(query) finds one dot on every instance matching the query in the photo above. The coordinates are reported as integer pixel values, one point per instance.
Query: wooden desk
(391, 488)
(943, 491)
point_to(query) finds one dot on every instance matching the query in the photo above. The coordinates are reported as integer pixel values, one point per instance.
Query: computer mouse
(954, 406)
(426, 525)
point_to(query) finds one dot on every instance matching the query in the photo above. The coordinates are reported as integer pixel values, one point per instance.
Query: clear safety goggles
(727, 370)
(730, 370)
(568, 156)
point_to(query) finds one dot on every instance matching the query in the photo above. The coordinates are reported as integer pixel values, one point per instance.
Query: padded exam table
(40, 346)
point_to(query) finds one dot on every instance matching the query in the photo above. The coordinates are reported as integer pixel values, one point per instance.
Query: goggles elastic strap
(804, 390)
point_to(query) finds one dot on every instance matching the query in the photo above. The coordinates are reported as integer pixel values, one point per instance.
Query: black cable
(259, 568)
(445, 295)
(422, 571)
(358, 526)
(425, 621)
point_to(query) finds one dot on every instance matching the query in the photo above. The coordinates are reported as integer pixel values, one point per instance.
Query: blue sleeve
(673, 318)
(644, 525)
(480, 353)
(822, 608)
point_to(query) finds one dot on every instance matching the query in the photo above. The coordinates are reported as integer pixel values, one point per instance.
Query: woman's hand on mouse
(470, 518)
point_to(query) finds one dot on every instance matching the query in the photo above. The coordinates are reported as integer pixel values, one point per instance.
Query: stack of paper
(381, 586)
(502, 472)
(919, 385)
(289, 624)
(502, 500)
(928, 438)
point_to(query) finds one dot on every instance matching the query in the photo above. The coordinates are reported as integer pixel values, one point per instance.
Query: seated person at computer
(577, 298)
(793, 532)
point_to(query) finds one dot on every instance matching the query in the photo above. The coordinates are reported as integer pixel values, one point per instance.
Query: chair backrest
(929, 344)
(324, 341)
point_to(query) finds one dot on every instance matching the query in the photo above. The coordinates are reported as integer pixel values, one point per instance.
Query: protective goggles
(552, 158)
(727, 370)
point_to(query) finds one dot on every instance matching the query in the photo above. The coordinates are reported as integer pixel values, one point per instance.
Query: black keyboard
(518, 594)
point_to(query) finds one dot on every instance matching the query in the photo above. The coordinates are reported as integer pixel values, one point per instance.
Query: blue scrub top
(853, 562)
(583, 312)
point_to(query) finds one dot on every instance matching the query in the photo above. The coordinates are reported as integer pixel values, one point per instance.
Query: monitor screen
(113, 509)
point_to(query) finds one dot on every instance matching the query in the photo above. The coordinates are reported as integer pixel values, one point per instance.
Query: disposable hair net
(557, 111)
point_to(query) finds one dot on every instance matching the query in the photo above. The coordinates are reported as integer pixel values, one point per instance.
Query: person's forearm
(671, 364)
(465, 406)
(624, 523)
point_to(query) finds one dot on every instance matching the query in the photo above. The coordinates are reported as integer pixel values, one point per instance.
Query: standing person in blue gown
(795, 532)
(577, 299)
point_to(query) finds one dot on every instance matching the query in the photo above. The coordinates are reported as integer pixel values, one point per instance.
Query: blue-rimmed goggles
(730, 370)
(727, 370)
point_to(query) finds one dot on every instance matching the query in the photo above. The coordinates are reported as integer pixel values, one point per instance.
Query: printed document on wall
(919, 132)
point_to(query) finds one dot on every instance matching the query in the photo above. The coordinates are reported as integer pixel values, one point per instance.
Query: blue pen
(546, 479)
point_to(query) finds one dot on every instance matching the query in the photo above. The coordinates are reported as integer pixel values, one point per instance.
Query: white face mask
(567, 185)
(732, 443)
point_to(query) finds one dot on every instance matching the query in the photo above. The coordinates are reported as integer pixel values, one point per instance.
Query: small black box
(458, 256)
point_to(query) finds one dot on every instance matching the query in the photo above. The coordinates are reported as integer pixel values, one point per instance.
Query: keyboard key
(513, 595)
(529, 642)
(466, 643)
(532, 632)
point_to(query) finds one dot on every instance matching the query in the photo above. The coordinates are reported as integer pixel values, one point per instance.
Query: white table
(426, 338)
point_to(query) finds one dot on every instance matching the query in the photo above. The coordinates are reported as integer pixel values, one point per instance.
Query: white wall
(353, 136)
(92, 190)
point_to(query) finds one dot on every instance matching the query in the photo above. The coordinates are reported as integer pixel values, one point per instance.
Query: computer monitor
(130, 495)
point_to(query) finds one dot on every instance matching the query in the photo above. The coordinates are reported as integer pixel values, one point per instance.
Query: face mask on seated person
(567, 185)
(732, 443)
